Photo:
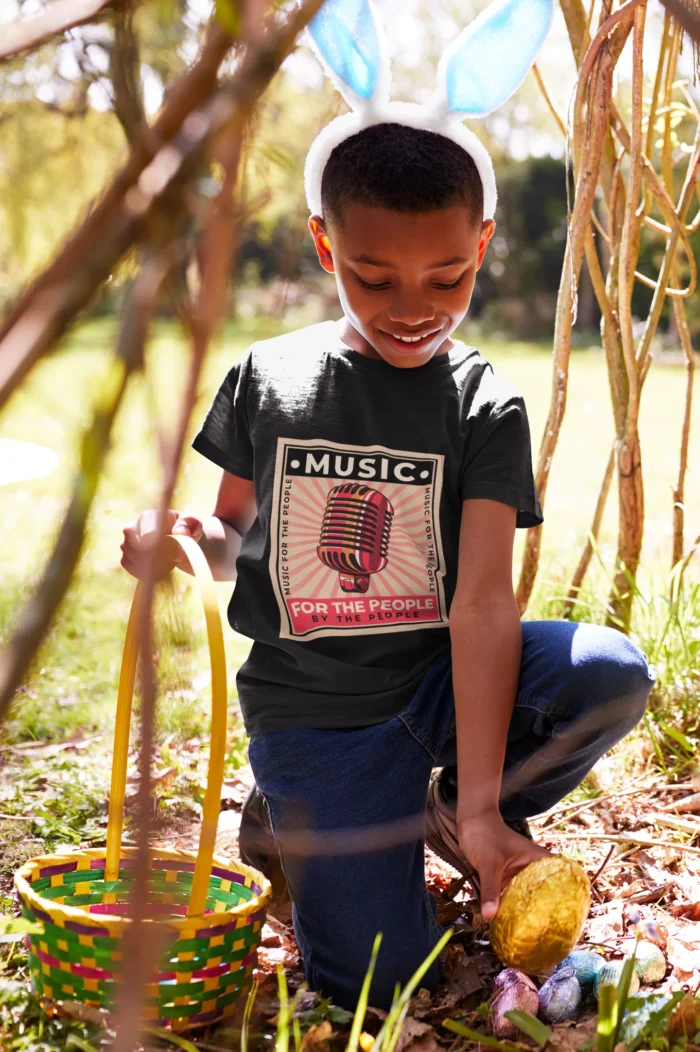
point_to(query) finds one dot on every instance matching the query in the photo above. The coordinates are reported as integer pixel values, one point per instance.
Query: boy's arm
(220, 535)
(486, 641)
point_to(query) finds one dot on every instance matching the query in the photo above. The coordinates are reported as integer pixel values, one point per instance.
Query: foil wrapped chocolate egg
(586, 965)
(560, 997)
(511, 990)
(541, 914)
(646, 1009)
(649, 962)
(610, 974)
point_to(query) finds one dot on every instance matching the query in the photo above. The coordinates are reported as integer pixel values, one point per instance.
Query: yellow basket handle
(215, 775)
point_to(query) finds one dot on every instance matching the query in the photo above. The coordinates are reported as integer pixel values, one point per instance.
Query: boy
(374, 473)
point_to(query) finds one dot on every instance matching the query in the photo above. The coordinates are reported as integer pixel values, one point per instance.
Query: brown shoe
(441, 827)
(257, 848)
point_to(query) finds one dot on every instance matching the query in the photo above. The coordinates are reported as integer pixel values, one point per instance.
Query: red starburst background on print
(404, 590)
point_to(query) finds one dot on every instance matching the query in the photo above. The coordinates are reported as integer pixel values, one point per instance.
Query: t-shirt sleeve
(498, 458)
(224, 436)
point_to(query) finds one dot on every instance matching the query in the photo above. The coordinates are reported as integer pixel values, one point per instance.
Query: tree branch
(49, 305)
(39, 611)
(27, 34)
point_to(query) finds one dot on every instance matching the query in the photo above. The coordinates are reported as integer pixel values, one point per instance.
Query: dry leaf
(83, 1013)
(685, 1020)
(316, 1036)
(682, 958)
(416, 1036)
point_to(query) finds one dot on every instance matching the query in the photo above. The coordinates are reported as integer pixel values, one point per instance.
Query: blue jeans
(347, 806)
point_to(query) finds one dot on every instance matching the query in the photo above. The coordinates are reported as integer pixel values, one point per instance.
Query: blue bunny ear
(490, 59)
(348, 39)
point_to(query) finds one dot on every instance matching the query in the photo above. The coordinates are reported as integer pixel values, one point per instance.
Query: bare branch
(125, 74)
(594, 533)
(591, 118)
(685, 16)
(679, 487)
(38, 614)
(217, 250)
(154, 167)
(27, 34)
(86, 260)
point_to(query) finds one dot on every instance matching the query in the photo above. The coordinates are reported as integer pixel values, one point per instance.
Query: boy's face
(405, 280)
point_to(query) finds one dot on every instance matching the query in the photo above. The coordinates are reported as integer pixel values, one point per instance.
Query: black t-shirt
(360, 469)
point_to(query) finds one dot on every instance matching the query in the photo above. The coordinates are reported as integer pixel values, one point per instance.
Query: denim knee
(396, 962)
(611, 670)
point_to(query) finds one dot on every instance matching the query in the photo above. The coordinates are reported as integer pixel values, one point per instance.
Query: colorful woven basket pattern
(210, 911)
(209, 959)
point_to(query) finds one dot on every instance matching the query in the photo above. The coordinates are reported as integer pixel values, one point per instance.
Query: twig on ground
(635, 839)
(642, 898)
(602, 866)
(578, 806)
(684, 824)
(688, 803)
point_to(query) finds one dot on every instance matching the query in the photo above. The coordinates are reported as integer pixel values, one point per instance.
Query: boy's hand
(497, 853)
(140, 539)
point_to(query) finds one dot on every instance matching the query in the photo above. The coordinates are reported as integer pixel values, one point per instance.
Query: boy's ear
(322, 243)
(487, 231)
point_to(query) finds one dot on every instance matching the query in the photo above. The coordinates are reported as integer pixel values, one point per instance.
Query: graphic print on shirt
(356, 539)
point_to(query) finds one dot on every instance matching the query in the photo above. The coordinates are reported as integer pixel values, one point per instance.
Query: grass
(52, 798)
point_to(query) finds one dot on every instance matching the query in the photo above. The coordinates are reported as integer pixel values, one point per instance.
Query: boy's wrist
(477, 802)
(476, 812)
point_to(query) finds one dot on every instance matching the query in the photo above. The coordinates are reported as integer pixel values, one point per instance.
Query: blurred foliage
(60, 142)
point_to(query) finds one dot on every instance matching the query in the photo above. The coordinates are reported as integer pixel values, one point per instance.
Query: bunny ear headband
(477, 73)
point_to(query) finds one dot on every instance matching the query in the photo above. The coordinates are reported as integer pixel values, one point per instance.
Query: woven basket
(209, 911)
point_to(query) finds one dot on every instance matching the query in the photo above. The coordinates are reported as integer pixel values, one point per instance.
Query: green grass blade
(73, 1041)
(655, 744)
(363, 999)
(389, 1033)
(607, 1017)
(413, 982)
(623, 991)
(530, 1025)
(482, 1039)
(164, 1035)
(282, 1038)
(247, 1013)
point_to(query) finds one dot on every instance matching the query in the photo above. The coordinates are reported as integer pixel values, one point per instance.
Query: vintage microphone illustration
(355, 534)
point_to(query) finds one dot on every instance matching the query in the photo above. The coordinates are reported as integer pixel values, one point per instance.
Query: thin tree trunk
(679, 488)
(629, 454)
(594, 533)
(593, 97)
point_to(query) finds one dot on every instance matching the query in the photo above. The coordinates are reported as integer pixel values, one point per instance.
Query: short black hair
(403, 169)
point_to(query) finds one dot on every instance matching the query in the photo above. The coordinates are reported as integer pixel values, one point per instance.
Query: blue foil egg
(560, 996)
(646, 1009)
(585, 964)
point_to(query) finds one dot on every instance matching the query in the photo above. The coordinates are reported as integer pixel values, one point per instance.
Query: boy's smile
(405, 279)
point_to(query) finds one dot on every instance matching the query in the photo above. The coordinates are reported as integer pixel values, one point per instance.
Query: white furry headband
(477, 73)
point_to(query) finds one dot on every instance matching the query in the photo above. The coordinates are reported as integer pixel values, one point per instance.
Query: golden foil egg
(541, 914)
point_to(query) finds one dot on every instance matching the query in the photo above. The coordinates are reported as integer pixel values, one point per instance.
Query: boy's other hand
(497, 853)
(140, 539)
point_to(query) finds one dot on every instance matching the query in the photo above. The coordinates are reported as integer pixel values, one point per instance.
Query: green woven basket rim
(115, 924)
